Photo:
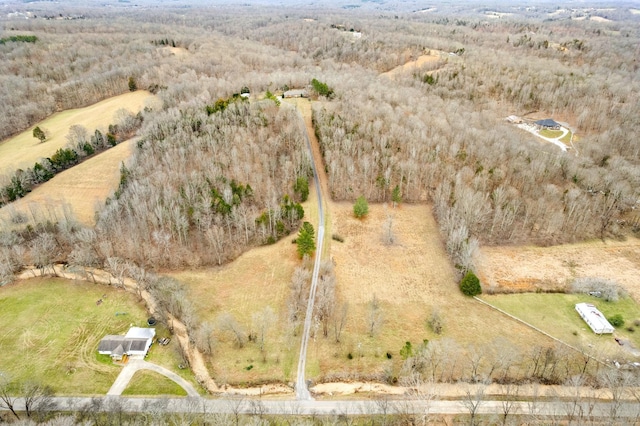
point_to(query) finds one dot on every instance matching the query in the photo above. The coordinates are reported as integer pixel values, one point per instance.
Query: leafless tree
(340, 320)
(300, 282)
(473, 399)
(510, 397)
(262, 323)
(375, 316)
(228, 323)
(324, 305)
(8, 395)
(205, 339)
(44, 250)
(37, 398)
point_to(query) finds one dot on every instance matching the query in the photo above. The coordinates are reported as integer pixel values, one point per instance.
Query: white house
(592, 316)
(135, 343)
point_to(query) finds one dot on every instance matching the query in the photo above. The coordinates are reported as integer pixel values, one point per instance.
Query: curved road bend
(302, 391)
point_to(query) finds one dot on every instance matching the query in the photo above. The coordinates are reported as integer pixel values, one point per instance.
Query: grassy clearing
(146, 382)
(566, 139)
(411, 279)
(24, 150)
(79, 190)
(552, 134)
(556, 314)
(51, 329)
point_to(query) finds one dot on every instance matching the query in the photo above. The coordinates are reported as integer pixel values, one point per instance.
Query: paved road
(134, 365)
(592, 409)
(302, 390)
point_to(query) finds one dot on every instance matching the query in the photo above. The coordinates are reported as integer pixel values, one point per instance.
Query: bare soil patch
(24, 150)
(549, 268)
(414, 65)
(80, 190)
(178, 51)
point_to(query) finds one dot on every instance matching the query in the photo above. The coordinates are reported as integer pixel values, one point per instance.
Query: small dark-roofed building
(547, 123)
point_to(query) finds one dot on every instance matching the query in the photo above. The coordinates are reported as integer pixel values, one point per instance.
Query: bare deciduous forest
(214, 174)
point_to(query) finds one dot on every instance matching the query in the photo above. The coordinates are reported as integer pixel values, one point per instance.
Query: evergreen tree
(306, 240)
(38, 133)
(302, 187)
(470, 284)
(361, 207)
(396, 196)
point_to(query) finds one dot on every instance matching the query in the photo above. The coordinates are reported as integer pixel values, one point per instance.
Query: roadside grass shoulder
(145, 382)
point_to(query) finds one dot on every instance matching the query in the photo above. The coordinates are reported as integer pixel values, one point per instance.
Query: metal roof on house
(137, 339)
(140, 333)
(547, 122)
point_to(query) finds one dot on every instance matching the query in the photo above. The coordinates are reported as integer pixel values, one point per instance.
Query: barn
(594, 318)
(135, 343)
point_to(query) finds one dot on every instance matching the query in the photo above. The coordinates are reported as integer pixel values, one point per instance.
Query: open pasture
(51, 328)
(23, 150)
(80, 191)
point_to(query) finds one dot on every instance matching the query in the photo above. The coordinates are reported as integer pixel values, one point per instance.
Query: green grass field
(556, 314)
(146, 382)
(51, 328)
(566, 139)
(550, 133)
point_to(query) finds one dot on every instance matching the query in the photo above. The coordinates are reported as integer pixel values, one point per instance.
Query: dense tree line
(447, 143)
(202, 187)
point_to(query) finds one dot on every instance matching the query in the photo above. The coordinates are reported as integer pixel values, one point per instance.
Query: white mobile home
(594, 318)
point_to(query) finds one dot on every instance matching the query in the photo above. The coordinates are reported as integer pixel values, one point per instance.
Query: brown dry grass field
(411, 279)
(527, 268)
(24, 150)
(257, 279)
(79, 190)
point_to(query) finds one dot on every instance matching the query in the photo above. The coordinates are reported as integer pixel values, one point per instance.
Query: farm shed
(594, 318)
(547, 124)
(135, 343)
